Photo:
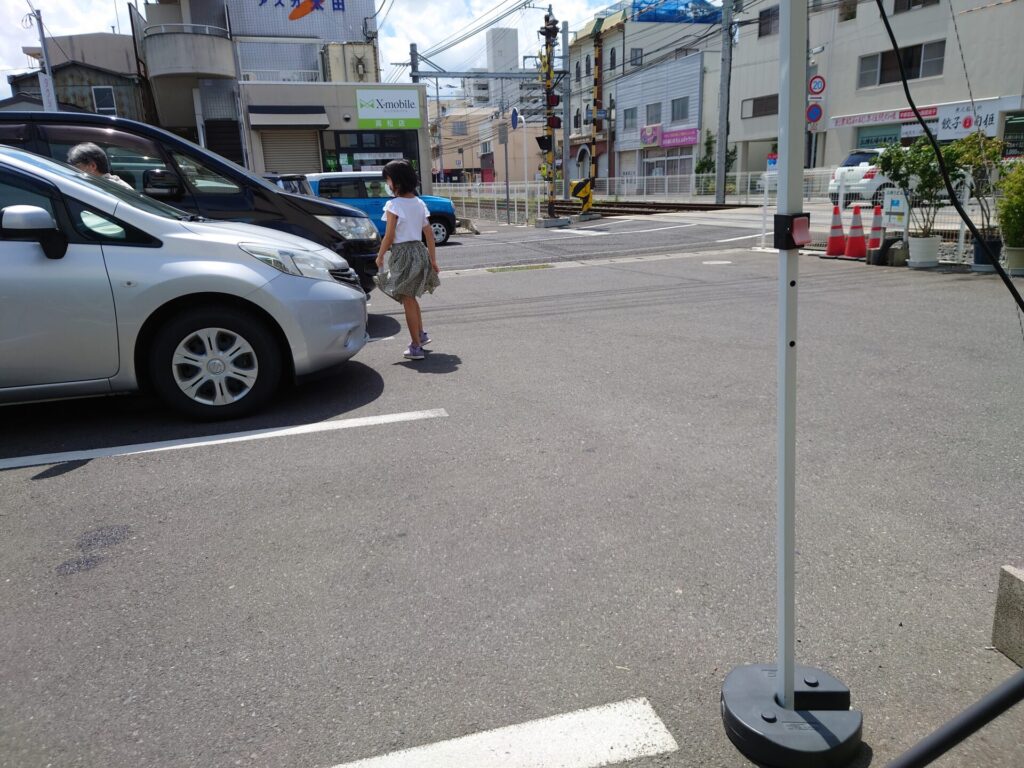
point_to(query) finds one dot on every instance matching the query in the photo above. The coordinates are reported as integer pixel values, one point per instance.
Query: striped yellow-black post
(596, 123)
(584, 190)
(551, 100)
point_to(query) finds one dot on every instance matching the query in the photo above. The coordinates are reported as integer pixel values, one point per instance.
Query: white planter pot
(1014, 260)
(924, 252)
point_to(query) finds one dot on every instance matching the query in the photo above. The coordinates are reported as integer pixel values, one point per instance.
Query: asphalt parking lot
(570, 503)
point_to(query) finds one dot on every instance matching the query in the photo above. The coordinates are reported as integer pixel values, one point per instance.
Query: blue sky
(405, 22)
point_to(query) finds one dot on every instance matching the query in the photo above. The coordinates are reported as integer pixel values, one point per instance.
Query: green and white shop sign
(391, 109)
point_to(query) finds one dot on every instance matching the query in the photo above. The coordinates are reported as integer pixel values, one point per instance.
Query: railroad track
(635, 207)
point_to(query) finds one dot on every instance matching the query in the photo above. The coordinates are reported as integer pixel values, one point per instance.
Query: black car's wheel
(442, 230)
(211, 364)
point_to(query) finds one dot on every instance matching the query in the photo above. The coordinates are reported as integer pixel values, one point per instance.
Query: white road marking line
(612, 733)
(570, 231)
(713, 263)
(380, 338)
(231, 437)
(734, 239)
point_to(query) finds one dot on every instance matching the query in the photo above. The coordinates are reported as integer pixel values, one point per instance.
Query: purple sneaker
(424, 338)
(414, 353)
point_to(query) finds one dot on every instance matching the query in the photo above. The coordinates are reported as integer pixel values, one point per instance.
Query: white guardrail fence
(527, 202)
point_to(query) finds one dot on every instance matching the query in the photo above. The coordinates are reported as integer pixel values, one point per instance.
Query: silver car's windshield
(129, 196)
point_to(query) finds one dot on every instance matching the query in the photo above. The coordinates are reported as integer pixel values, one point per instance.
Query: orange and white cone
(856, 244)
(875, 241)
(836, 245)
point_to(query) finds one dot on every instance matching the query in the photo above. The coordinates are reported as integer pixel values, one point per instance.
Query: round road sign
(816, 85)
(515, 118)
(814, 113)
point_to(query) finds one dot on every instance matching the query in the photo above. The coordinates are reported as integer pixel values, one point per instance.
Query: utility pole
(440, 132)
(503, 138)
(722, 142)
(46, 91)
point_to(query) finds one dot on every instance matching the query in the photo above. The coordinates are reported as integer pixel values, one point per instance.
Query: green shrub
(1011, 206)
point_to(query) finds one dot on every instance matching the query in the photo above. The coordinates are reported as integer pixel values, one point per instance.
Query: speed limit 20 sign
(816, 85)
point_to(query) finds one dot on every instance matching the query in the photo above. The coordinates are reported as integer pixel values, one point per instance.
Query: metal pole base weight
(820, 732)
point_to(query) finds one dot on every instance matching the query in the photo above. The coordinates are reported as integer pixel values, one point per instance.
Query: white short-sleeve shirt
(412, 217)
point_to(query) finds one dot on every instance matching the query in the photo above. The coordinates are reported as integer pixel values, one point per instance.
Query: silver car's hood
(252, 233)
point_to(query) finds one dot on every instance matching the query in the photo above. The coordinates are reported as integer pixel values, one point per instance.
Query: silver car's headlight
(351, 227)
(293, 261)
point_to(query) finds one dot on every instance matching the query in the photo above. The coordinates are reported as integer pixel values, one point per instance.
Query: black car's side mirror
(34, 224)
(162, 184)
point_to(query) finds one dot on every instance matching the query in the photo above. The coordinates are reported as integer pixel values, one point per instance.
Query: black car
(176, 171)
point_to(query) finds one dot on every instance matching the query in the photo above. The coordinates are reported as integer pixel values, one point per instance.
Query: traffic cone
(856, 245)
(836, 245)
(875, 241)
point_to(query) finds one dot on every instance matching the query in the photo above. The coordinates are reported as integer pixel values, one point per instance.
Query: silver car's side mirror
(30, 222)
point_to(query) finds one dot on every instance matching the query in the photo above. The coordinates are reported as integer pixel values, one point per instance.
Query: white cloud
(407, 23)
(61, 17)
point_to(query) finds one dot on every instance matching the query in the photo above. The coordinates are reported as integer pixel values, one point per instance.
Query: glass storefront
(369, 150)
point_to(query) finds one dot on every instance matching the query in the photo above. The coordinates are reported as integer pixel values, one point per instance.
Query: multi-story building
(279, 86)
(652, 73)
(466, 143)
(862, 103)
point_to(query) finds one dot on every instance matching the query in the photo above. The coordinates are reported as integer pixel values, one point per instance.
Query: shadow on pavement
(75, 425)
(435, 362)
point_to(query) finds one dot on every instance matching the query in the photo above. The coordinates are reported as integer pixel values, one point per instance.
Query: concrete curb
(1008, 627)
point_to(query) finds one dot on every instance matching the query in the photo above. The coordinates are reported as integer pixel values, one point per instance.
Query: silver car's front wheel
(216, 363)
(215, 366)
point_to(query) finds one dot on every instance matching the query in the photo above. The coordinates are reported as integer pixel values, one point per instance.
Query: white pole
(793, 79)
(46, 84)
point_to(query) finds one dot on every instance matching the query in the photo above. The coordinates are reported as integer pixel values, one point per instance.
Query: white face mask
(391, 190)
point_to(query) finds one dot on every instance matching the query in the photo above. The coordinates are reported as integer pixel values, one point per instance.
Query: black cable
(942, 165)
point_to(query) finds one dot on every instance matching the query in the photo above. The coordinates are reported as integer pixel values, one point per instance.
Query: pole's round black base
(821, 731)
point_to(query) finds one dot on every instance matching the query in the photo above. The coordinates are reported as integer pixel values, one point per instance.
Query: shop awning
(288, 116)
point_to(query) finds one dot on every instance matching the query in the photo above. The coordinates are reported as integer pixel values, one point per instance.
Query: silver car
(103, 290)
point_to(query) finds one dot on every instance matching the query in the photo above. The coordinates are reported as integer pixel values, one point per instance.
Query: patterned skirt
(407, 272)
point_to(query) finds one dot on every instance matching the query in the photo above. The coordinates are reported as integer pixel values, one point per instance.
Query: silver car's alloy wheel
(214, 366)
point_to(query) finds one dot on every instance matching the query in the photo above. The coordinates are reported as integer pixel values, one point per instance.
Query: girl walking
(412, 268)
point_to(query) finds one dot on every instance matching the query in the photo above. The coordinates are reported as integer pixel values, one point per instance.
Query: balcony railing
(282, 75)
(186, 29)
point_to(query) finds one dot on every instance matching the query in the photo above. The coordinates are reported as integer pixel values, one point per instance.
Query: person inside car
(91, 158)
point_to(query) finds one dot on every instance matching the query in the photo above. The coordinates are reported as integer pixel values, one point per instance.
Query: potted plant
(981, 158)
(915, 172)
(1011, 217)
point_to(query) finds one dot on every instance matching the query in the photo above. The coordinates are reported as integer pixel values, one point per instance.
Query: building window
(681, 110)
(485, 148)
(636, 57)
(847, 10)
(587, 68)
(460, 128)
(653, 114)
(578, 76)
(901, 6)
(576, 119)
(629, 119)
(611, 59)
(103, 100)
(760, 107)
(768, 22)
(925, 60)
